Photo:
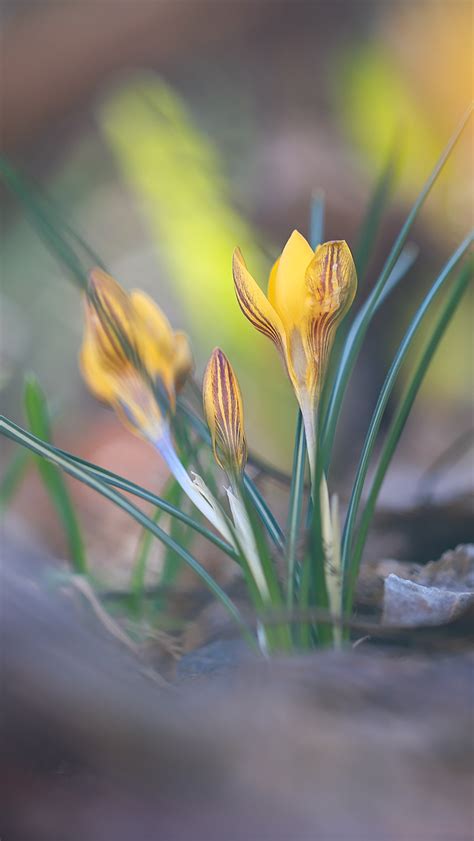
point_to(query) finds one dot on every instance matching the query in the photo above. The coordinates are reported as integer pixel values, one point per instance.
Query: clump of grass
(301, 578)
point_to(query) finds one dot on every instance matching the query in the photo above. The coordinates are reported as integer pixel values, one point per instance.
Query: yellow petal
(137, 407)
(99, 378)
(254, 304)
(154, 333)
(224, 412)
(332, 282)
(111, 314)
(331, 279)
(123, 388)
(183, 359)
(287, 284)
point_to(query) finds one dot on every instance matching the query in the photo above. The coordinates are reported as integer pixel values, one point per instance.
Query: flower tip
(237, 258)
(223, 410)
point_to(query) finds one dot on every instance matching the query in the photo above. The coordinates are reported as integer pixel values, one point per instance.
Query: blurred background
(169, 132)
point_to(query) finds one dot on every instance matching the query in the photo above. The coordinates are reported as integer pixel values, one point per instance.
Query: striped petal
(255, 305)
(183, 359)
(99, 377)
(110, 315)
(224, 413)
(331, 281)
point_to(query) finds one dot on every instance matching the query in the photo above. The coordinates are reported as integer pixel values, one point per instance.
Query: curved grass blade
(137, 581)
(37, 414)
(40, 218)
(373, 217)
(42, 449)
(117, 481)
(399, 420)
(356, 336)
(384, 397)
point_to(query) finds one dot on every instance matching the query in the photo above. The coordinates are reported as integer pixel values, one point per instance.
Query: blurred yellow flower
(224, 413)
(130, 357)
(309, 292)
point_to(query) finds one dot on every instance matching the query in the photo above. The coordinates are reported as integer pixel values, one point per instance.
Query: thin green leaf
(44, 450)
(356, 337)
(48, 229)
(172, 563)
(295, 506)
(37, 414)
(398, 423)
(316, 226)
(385, 393)
(137, 582)
(12, 477)
(373, 217)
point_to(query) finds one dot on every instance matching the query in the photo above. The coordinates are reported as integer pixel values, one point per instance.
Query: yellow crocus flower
(130, 357)
(309, 292)
(223, 409)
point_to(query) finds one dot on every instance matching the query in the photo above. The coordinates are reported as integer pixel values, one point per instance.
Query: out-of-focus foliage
(175, 172)
(412, 82)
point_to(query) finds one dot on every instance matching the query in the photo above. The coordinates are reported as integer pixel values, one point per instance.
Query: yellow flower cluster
(132, 359)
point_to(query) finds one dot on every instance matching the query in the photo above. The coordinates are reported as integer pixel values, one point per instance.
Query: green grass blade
(171, 562)
(373, 217)
(37, 414)
(402, 267)
(40, 217)
(123, 484)
(384, 396)
(356, 337)
(44, 450)
(295, 506)
(400, 418)
(137, 581)
(316, 225)
(12, 477)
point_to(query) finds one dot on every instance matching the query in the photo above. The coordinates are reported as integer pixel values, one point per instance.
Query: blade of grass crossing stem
(385, 393)
(13, 476)
(356, 338)
(398, 423)
(120, 482)
(295, 507)
(312, 586)
(41, 448)
(313, 591)
(123, 484)
(37, 414)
